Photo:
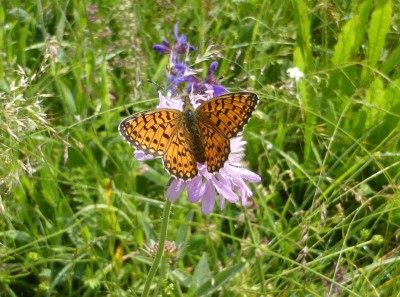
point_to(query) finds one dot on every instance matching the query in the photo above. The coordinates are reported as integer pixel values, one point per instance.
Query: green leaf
(386, 111)
(303, 59)
(379, 27)
(69, 101)
(182, 276)
(375, 97)
(211, 286)
(202, 273)
(302, 55)
(183, 231)
(392, 61)
(351, 37)
(19, 236)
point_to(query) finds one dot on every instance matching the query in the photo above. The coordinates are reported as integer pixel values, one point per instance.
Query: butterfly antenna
(161, 87)
(156, 84)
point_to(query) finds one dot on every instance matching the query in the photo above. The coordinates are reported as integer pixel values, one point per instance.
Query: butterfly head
(186, 101)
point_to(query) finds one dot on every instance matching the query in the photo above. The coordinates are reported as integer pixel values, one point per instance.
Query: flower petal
(161, 49)
(219, 90)
(224, 190)
(246, 174)
(213, 66)
(195, 189)
(175, 190)
(176, 31)
(237, 144)
(142, 156)
(166, 43)
(208, 201)
(244, 190)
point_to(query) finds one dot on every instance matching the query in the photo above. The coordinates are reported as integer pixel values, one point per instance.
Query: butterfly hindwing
(178, 159)
(216, 148)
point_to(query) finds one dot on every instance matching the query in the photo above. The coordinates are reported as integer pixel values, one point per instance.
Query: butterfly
(184, 138)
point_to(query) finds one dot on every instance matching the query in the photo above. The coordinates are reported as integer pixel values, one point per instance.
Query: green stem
(163, 269)
(160, 248)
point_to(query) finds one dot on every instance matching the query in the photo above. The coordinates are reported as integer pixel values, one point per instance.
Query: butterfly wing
(150, 131)
(161, 133)
(216, 147)
(178, 159)
(228, 113)
(222, 118)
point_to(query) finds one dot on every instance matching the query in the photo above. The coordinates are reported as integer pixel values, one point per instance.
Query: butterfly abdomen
(194, 137)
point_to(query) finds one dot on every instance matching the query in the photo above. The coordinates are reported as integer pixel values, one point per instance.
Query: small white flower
(295, 73)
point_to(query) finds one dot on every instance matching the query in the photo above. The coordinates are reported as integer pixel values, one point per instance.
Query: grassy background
(79, 212)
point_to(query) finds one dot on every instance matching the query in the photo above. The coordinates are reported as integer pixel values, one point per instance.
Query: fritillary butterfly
(183, 138)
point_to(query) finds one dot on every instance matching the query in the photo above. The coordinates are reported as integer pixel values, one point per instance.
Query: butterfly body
(184, 138)
(191, 122)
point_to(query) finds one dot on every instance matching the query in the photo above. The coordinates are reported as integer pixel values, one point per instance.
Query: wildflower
(181, 45)
(295, 73)
(170, 249)
(210, 83)
(180, 72)
(339, 273)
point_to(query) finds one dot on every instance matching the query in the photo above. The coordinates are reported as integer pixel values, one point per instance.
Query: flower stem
(160, 248)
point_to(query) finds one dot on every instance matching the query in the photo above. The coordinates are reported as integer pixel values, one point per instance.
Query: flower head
(209, 84)
(180, 47)
(295, 73)
(180, 72)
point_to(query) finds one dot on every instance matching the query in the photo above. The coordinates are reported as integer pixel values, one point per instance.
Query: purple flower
(229, 183)
(181, 45)
(178, 74)
(181, 73)
(210, 83)
(339, 273)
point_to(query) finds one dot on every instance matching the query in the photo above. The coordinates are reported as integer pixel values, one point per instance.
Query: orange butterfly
(183, 138)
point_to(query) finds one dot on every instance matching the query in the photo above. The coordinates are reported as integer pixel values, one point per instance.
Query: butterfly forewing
(150, 131)
(229, 113)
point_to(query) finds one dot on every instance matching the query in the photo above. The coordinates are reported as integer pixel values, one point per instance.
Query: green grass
(79, 212)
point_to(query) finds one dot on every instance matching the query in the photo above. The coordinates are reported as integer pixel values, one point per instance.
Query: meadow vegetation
(81, 216)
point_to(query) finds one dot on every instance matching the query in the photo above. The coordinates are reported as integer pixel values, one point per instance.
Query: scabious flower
(229, 182)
